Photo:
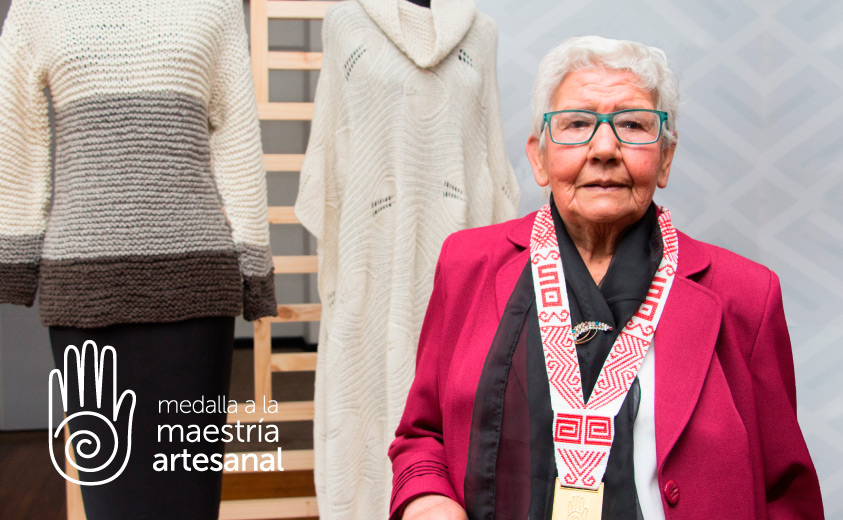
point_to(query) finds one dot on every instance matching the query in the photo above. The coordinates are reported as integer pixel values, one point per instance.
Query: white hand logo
(88, 444)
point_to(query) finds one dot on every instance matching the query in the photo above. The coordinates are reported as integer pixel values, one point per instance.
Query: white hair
(648, 64)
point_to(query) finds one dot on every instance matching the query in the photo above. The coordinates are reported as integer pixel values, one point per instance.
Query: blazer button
(671, 492)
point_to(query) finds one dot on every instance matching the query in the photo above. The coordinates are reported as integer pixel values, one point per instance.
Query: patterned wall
(759, 168)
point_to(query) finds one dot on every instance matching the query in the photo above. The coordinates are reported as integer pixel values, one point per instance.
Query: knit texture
(158, 212)
(399, 157)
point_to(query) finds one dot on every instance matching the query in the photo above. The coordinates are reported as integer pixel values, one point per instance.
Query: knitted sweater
(406, 147)
(159, 200)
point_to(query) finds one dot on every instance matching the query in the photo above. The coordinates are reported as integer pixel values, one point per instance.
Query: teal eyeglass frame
(607, 118)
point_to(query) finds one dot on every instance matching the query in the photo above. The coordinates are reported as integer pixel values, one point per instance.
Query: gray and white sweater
(158, 212)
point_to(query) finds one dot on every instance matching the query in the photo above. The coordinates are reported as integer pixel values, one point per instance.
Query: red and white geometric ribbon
(583, 433)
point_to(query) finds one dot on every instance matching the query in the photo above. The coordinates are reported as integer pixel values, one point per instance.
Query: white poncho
(406, 147)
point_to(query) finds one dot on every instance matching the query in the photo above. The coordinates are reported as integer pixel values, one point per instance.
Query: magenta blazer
(727, 441)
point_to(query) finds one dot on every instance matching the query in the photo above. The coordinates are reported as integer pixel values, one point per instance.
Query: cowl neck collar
(424, 35)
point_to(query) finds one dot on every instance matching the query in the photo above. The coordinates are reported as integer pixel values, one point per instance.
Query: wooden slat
(262, 360)
(285, 111)
(297, 10)
(291, 460)
(290, 60)
(283, 162)
(287, 411)
(268, 484)
(295, 264)
(262, 508)
(259, 48)
(282, 215)
(298, 312)
(294, 362)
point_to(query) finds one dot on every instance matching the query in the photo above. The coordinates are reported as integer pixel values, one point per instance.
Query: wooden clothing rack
(265, 362)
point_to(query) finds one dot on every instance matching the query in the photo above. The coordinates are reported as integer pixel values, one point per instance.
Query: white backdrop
(759, 168)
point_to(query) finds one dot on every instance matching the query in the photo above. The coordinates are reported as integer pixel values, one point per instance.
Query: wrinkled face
(603, 182)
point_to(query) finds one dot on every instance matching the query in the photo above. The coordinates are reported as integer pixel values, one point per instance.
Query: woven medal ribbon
(583, 434)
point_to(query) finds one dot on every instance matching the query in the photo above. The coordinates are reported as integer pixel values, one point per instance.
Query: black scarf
(511, 468)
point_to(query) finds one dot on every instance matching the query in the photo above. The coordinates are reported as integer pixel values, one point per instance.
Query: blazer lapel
(684, 344)
(507, 275)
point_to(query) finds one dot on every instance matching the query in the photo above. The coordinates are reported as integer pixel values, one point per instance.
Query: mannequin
(421, 3)
(156, 236)
(406, 147)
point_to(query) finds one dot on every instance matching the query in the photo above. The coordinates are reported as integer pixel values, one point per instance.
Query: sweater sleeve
(238, 163)
(320, 159)
(25, 163)
(507, 193)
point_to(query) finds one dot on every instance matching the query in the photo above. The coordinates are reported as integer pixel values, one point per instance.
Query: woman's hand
(433, 507)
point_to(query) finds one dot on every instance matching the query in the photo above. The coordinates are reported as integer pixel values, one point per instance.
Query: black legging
(187, 360)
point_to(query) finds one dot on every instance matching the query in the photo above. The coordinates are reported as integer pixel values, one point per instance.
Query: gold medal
(577, 504)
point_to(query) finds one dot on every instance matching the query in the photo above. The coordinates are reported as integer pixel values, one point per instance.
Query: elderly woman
(590, 361)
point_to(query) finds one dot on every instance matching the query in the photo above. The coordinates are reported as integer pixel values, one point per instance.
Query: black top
(512, 419)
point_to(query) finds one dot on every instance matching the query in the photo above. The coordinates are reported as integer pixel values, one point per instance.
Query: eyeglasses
(633, 126)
